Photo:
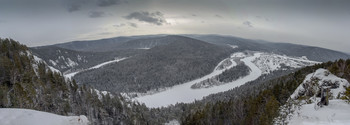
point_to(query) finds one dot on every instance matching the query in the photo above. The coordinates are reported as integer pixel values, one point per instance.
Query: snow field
(9, 116)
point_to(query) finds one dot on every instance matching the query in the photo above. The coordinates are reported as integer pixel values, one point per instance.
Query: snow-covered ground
(70, 75)
(336, 113)
(173, 122)
(184, 93)
(10, 116)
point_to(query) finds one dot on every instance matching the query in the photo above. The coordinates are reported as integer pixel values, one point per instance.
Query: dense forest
(182, 60)
(227, 76)
(29, 83)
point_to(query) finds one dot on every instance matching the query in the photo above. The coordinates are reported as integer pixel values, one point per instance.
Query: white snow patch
(184, 93)
(13, 116)
(144, 48)
(105, 63)
(53, 62)
(172, 122)
(104, 93)
(233, 46)
(22, 53)
(54, 70)
(37, 59)
(71, 63)
(61, 57)
(70, 75)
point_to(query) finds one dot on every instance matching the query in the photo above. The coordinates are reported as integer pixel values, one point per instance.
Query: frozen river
(184, 93)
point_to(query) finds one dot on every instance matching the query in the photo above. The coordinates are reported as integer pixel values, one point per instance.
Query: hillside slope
(162, 66)
(27, 82)
(67, 60)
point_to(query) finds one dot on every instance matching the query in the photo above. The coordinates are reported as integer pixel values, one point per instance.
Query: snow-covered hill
(10, 116)
(317, 101)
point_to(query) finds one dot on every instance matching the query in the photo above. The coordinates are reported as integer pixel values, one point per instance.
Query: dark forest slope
(181, 60)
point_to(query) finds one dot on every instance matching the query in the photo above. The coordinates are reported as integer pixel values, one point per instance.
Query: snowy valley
(176, 80)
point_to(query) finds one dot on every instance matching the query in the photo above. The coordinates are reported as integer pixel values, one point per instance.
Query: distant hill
(102, 45)
(312, 53)
(149, 41)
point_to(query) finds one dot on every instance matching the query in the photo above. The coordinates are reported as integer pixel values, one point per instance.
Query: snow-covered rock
(304, 107)
(321, 78)
(10, 116)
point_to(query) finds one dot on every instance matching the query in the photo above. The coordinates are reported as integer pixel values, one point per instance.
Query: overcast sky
(323, 23)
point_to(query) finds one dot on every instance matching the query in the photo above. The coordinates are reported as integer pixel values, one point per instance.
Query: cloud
(119, 25)
(123, 25)
(262, 18)
(96, 14)
(218, 16)
(73, 8)
(247, 23)
(133, 25)
(106, 3)
(193, 15)
(76, 5)
(156, 18)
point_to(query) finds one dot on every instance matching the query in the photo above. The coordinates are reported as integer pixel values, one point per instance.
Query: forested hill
(67, 60)
(27, 82)
(181, 60)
